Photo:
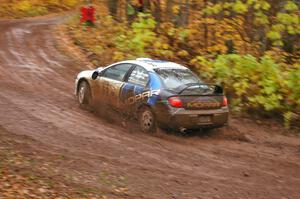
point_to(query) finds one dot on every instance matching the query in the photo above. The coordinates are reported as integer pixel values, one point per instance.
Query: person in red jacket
(88, 15)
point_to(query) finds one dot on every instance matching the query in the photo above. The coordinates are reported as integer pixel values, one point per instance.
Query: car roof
(150, 64)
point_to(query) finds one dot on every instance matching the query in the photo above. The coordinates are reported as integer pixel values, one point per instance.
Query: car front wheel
(84, 94)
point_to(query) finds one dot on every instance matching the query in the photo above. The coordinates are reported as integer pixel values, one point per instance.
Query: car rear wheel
(84, 94)
(147, 120)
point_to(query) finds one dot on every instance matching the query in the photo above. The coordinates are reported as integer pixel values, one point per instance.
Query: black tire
(147, 120)
(84, 95)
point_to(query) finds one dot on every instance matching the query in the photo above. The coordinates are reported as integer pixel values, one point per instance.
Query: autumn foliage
(31, 8)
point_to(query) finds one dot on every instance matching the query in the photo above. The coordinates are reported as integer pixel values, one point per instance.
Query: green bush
(254, 84)
(134, 41)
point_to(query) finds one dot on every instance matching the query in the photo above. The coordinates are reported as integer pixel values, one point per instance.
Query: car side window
(117, 72)
(139, 76)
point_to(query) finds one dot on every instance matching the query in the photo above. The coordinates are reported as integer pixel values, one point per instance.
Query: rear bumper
(193, 119)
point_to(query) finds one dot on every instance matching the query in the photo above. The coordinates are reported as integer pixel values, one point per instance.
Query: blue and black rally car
(156, 93)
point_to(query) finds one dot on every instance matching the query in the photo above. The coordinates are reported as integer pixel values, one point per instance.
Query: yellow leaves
(291, 6)
(203, 66)
(165, 46)
(262, 5)
(227, 13)
(157, 44)
(297, 29)
(250, 2)
(214, 9)
(175, 9)
(98, 49)
(23, 6)
(53, 2)
(219, 34)
(182, 53)
(227, 5)
(240, 7)
(160, 45)
(273, 35)
(118, 56)
(70, 3)
(239, 21)
(278, 27)
(278, 43)
(241, 87)
(28, 8)
(261, 18)
(218, 48)
(211, 21)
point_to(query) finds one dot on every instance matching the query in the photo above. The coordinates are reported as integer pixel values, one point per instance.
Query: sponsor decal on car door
(110, 91)
(132, 94)
(110, 83)
(135, 94)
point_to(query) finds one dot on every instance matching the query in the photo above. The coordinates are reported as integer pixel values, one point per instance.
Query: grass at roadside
(26, 8)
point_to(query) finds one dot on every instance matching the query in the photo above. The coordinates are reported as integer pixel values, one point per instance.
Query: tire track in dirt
(36, 100)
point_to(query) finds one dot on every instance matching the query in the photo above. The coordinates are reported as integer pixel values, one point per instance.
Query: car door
(109, 84)
(134, 91)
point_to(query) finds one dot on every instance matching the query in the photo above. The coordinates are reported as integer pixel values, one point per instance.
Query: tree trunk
(205, 28)
(186, 13)
(179, 20)
(113, 8)
(147, 6)
(126, 10)
(157, 11)
(169, 10)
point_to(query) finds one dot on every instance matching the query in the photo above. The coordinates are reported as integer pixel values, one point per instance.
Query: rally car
(156, 93)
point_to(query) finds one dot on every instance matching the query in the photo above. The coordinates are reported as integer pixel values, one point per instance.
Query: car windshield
(174, 78)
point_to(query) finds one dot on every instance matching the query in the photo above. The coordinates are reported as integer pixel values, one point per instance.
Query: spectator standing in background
(88, 14)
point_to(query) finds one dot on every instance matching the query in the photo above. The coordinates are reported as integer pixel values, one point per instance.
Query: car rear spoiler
(216, 89)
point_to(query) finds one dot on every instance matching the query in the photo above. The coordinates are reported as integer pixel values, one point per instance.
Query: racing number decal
(110, 90)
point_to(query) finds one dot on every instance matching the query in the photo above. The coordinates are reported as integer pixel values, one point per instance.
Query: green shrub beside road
(255, 84)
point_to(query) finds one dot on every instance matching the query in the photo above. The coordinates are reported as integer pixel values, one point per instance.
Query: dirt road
(37, 108)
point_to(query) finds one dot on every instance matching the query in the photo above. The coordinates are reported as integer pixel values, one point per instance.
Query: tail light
(225, 101)
(175, 102)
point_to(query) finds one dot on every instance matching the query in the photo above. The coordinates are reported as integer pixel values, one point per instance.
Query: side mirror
(95, 75)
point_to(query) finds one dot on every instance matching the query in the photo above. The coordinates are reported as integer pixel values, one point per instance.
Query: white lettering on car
(142, 96)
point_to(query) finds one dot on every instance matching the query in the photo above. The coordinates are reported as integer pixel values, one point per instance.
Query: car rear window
(174, 78)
